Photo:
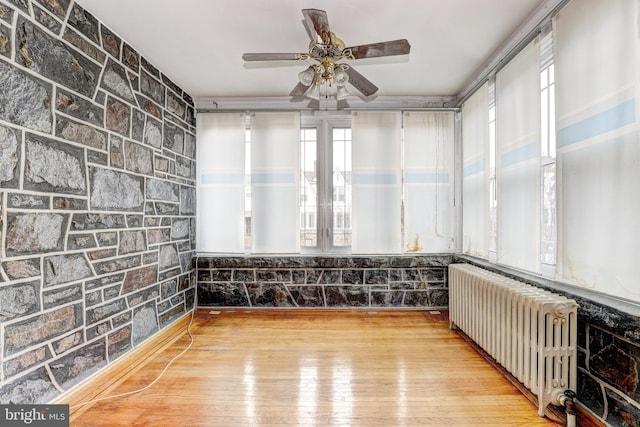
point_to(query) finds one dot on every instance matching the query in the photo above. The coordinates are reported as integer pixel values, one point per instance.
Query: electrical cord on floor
(193, 311)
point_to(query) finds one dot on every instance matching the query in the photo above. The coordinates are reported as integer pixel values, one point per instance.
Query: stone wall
(324, 282)
(97, 198)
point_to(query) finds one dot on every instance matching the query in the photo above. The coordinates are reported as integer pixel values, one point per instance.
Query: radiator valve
(570, 407)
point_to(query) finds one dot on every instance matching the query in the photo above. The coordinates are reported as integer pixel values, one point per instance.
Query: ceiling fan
(325, 50)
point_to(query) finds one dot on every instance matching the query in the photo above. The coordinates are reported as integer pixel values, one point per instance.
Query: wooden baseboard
(112, 375)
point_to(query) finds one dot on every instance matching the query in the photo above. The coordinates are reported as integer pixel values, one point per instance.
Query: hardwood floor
(316, 368)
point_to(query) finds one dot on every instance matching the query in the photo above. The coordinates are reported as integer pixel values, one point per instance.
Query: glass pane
(549, 214)
(308, 187)
(341, 182)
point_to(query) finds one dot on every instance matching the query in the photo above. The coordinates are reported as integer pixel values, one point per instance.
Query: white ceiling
(199, 43)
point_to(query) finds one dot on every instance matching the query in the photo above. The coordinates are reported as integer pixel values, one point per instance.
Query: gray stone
(153, 133)
(175, 105)
(25, 361)
(53, 166)
(161, 164)
(71, 369)
(58, 7)
(190, 145)
(5, 41)
(85, 22)
(97, 158)
(145, 322)
(111, 190)
(93, 298)
(67, 203)
(149, 67)
(60, 269)
(149, 106)
(77, 40)
(19, 300)
(168, 288)
(167, 208)
(22, 269)
(150, 258)
(97, 221)
(108, 238)
(117, 264)
(138, 158)
(173, 138)
(158, 235)
(60, 296)
(65, 344)
(139, 278)
(171, 315)
(104, 281)
(47, 20)
(119, 342)
(191, 116)
(143, 296)
(151, 87)
(27, 201)
(54, 59)
(187, 200)
(118, 116)
(40, 328)
(116, 150)
(10, 153)
(81, 133)
(6, 13)
(158, 189)
(185, 261)
(135, 221)
(180, 229)
(29, 233)
(184, 167)
(35, 387)
(21, 4)
(79, 108)
(132, 241)
(81, 241)
(121, 319)
(102, 254)
(96, 314)
(24, 99)
(137, 125)
(110, 42)
(115, 81)
(168, 257)
(130, 57)
(174, 87)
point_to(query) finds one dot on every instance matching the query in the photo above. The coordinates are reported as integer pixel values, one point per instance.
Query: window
(493, 192)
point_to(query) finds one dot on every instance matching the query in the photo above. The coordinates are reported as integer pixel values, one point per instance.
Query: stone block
(60, 296)
(145, 322)
(53, 166)
(180, 228)
(99, 313)
(25, 100)
(230, 294)
(187, 200)
(135, 221)
(174, 87)
(111, 292)
(65, 344)
(98, 330)
(115, 81)
(35, 387)
(46, 19)
(85, 22)
(116, 151)
(97, 221)
(27, 201)
(621, 412)
(347, 296)
(6, 13)
(184, 168)
(54, 59)
(25, 361)
(110, 42)
(57, 7)
(102, 254)
(60, 269)
(171, 315)
(151, 87)
(307, 296)
(119, 343)
(5, 41)
(139, 159)
(150, 257)
(118, 116)
(190, 145)
(158, 189)
(103, 281)
(81, 241)
(130, 57)
(71, 369)
(168, 257)
(168, 288)
(79, 108)
(173, 138)
(119, 264)
(269, 295)
(387, 298)
(143, 296)
(176, 105)
(93, 298)
(139, 279)
(66, 203)
(40, 328)
(81, 133)
(10, 154)
(149, 106)
(111, 190)
(108, 238)
(85, 46)
(137, 125)
(31, 233)
(22, 269)
(132, 241)
(153, 133)
(121, 319)
(19, 300)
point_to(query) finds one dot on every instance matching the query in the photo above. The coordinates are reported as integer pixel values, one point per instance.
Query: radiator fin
(531, 332)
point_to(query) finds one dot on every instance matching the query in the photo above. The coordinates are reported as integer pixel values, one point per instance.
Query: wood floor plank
(316, 368)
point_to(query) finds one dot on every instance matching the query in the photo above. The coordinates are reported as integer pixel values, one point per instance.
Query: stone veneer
(97, 198)
(324, 282)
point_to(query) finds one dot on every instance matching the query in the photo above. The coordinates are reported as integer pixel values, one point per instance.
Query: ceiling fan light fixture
(314, 92)
(340, 78)
(342, 93)
(307, 76)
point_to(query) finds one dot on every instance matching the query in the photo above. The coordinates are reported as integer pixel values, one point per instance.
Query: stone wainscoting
(323, 282)
(97, 198)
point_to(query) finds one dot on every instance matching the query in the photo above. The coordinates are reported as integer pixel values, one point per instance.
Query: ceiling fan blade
(374, 50)
(299, 91)
(320, 23)
(271, 56)
(360, 82)
(311, 32)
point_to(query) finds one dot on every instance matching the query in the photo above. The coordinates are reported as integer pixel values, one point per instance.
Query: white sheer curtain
(377, 182)
(597, 89)
(275, 182)
(428, 181)
(220, 154)
(518, 160)
(475, 167)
